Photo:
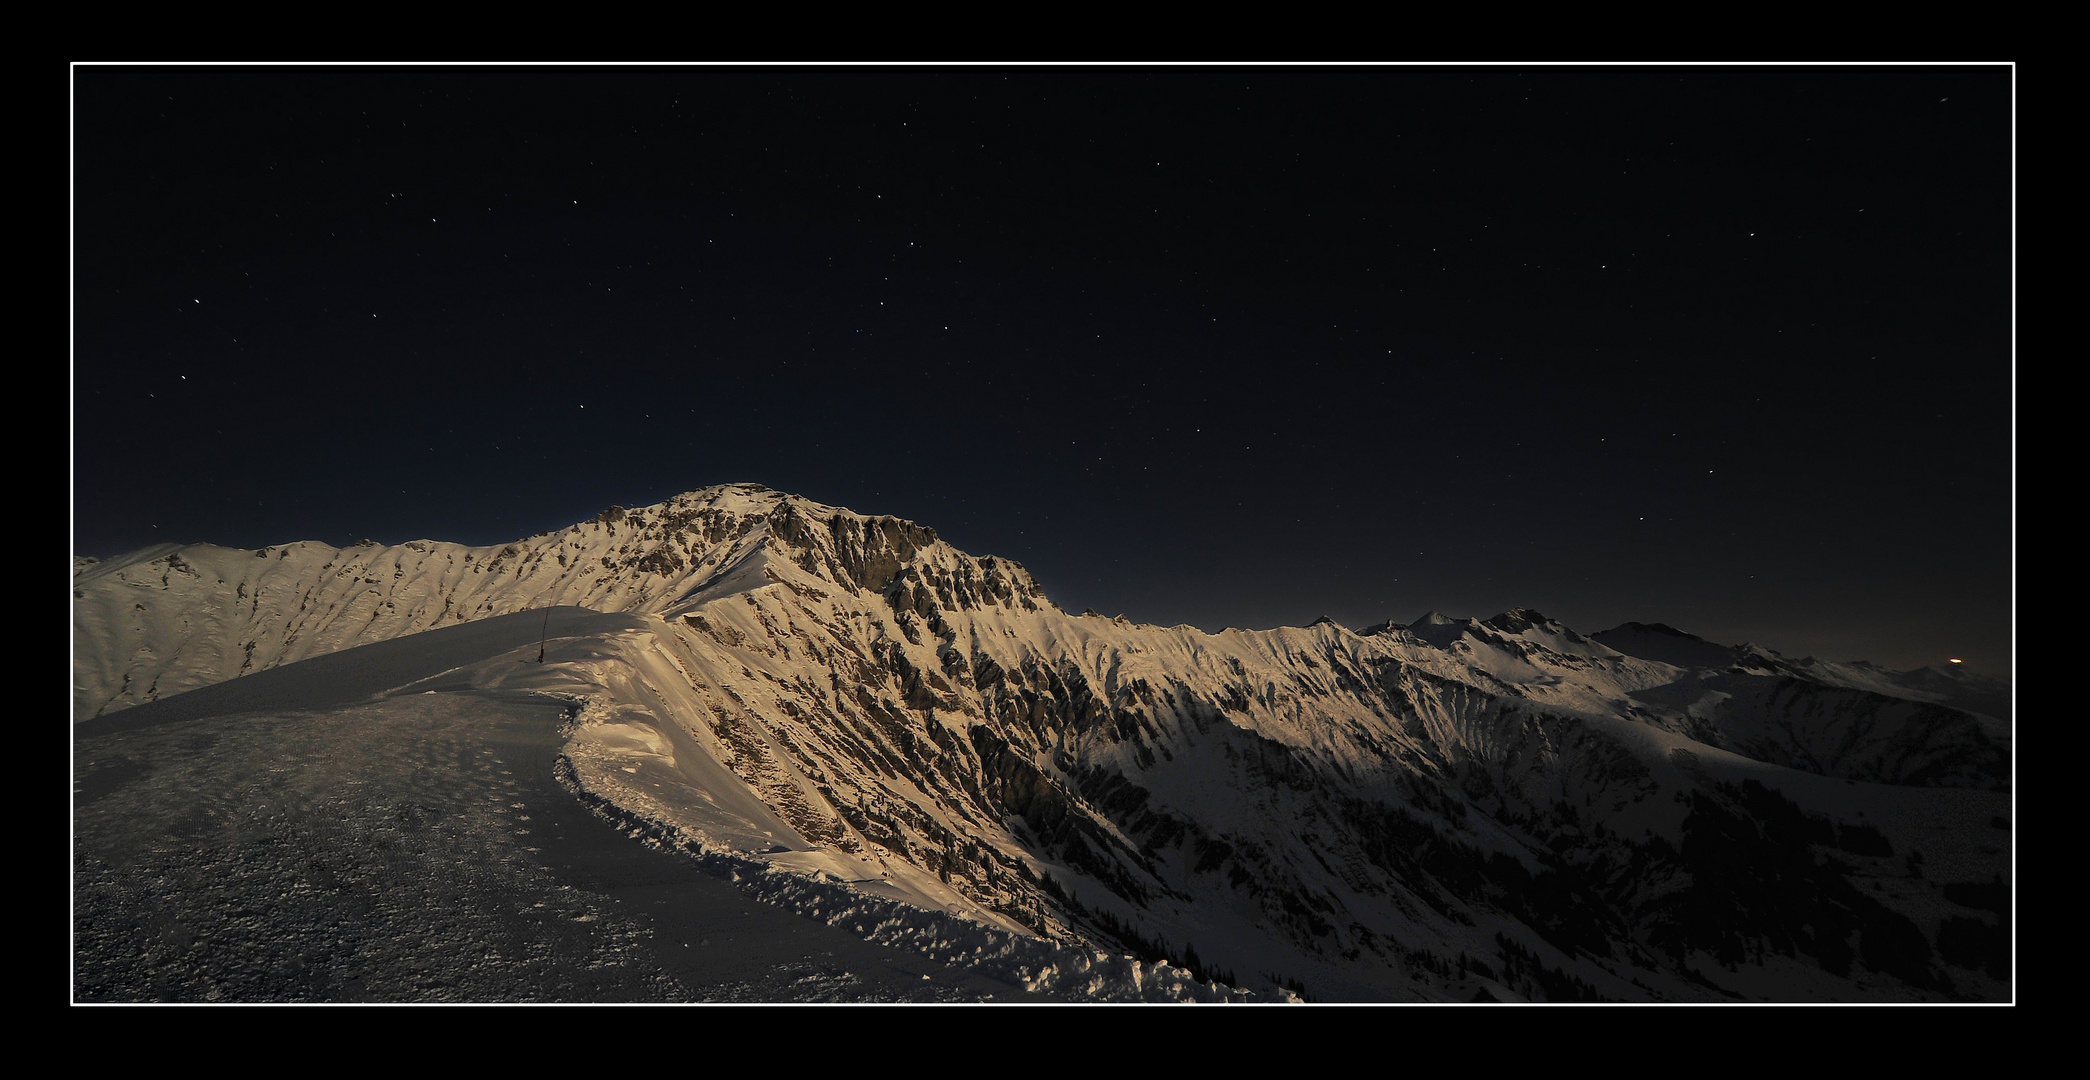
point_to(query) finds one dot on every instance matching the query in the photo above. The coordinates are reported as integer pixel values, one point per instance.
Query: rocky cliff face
(1442, 811)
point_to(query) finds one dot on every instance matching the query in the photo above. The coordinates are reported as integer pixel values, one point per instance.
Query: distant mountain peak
(1666, 644)
(1655, 628)
(1439, 629)
(1519, 619)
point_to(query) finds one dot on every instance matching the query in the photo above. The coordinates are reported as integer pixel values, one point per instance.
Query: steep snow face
(1431, 812)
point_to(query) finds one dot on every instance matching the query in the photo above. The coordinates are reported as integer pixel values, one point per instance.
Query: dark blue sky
(1727, 348)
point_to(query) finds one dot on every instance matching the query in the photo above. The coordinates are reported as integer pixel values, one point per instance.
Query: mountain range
(843, 713)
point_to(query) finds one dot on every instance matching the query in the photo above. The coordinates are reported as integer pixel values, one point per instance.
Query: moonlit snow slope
(843, 715)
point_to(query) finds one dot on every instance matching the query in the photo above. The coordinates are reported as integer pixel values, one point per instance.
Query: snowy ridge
(1435, 812)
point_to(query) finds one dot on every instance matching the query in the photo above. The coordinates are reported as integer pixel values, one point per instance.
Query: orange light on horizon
(1957, 660)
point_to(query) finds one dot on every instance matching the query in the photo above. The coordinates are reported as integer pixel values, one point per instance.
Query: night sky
(1727, 348)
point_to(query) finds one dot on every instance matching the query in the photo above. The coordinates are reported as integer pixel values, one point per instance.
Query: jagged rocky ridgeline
(1448, 810)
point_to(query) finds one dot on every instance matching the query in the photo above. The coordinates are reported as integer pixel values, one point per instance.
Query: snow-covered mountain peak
(1441, 630)
(287, 602)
